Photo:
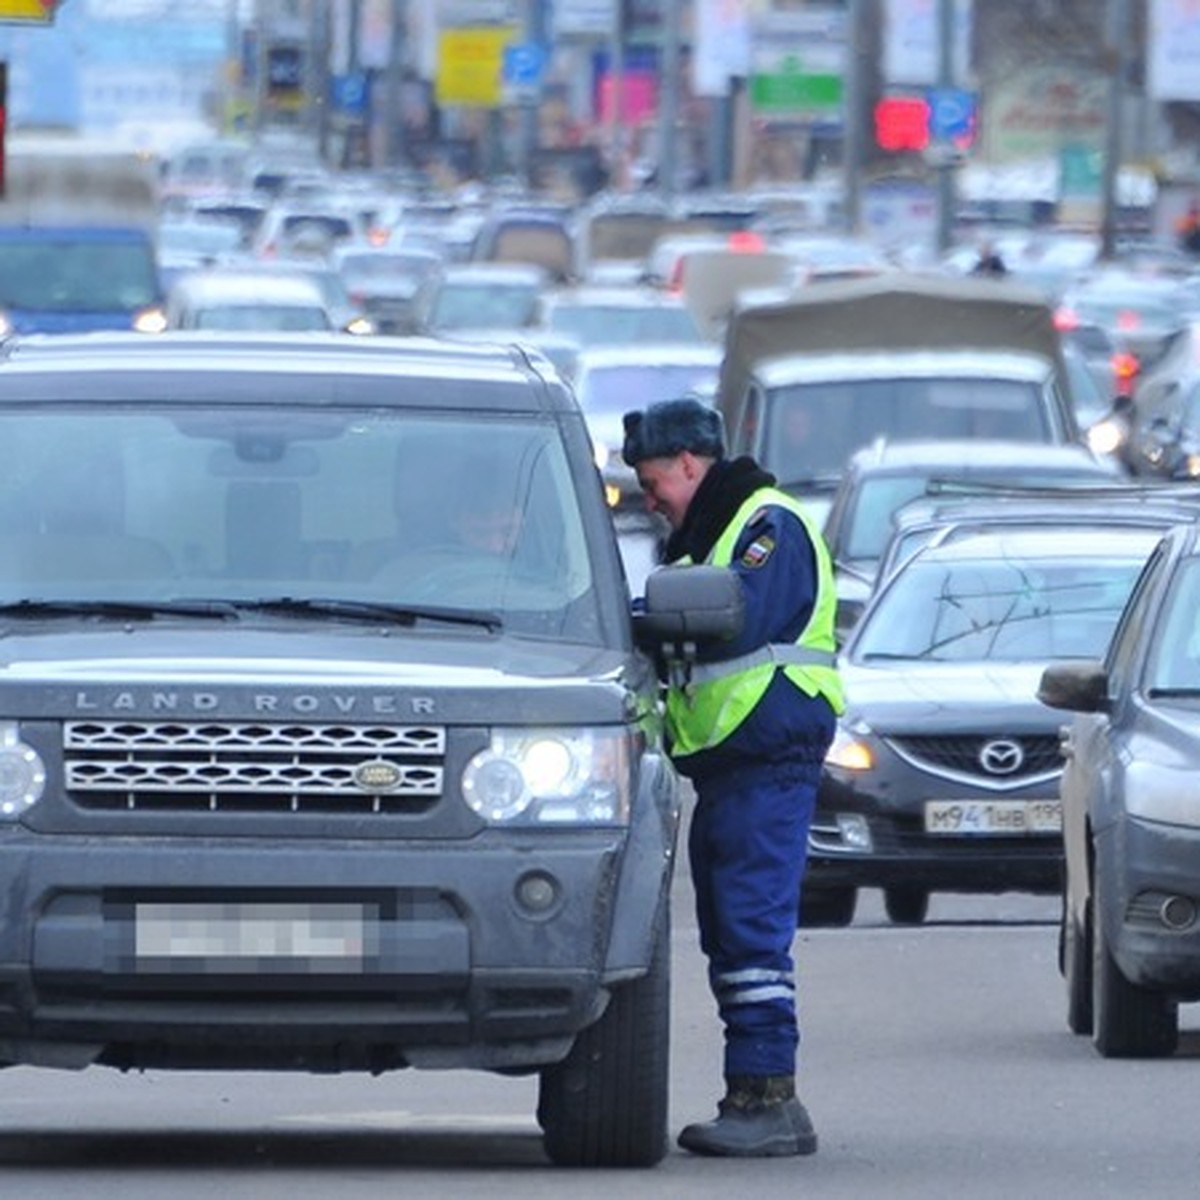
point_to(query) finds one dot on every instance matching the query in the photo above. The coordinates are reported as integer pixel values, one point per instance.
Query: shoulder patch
(759, 550)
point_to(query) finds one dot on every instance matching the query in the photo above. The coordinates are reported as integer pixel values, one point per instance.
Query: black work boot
(760, 1117)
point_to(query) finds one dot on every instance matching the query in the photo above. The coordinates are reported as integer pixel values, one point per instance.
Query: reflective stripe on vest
(721, 695)
(781, 654)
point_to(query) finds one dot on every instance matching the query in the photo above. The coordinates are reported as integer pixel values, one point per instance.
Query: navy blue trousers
(747, 846)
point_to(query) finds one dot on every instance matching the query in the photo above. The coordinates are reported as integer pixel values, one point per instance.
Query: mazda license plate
(992, 818)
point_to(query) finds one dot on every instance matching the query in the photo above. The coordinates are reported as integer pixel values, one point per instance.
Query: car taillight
(1065, 319)
(746, 241)
(1125, 367)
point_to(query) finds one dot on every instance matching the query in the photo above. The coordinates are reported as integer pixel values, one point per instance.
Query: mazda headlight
(850, 751)
(552, 777)
(22, 773)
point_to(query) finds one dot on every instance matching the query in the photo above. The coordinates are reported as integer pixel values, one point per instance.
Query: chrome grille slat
(956, 757)
(214, 735)
(220, 766)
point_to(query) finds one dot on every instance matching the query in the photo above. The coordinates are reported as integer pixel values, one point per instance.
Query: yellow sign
(470, 65)
(38, 11)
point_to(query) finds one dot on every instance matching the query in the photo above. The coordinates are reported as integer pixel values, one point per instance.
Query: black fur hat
(672, 426)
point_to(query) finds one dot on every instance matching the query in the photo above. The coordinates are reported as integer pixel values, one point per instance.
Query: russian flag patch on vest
(758, 552)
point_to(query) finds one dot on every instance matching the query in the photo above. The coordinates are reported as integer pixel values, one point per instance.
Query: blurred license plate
(246, 937)
(995, 818)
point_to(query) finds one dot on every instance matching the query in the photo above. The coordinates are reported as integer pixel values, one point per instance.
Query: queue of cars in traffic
(1001, 467)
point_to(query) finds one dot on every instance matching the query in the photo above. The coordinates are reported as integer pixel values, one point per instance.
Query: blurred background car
(618, 316)
(1139, 313)
(611, 381)
(540, 236)
(390, 285)
(883, 477)
(248, 301)
(483, 296)
(811, 376)
(188, 242)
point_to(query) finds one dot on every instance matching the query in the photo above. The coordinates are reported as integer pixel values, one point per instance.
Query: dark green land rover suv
(325, 740)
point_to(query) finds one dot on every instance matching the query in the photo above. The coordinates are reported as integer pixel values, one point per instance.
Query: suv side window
(1129, 635)
(749, 426)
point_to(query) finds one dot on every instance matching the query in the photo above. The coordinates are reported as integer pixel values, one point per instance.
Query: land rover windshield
(274, 513)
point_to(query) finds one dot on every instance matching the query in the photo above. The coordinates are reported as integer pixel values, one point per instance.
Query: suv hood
(361, 674)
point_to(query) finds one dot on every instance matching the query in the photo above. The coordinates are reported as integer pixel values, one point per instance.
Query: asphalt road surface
(936, 1063)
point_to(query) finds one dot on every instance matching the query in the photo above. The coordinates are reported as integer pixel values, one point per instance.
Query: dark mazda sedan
(943, 775)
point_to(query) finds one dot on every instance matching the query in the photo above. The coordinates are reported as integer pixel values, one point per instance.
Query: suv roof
(321, 368)
(962, 456)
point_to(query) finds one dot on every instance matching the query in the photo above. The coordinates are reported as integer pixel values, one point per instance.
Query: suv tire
(1077, 969)
(827, 908)
(1129, 1021)
(605, 1104)
(906, 905)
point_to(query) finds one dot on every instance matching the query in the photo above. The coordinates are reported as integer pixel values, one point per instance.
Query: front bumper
(1154, 874)
(456, 967)
(897, 850)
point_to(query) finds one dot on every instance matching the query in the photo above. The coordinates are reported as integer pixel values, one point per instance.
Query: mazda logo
(1001, 757)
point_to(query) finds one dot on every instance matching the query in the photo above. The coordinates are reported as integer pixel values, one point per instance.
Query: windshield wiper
(1168, 693)
(364, 610)
(119, 610)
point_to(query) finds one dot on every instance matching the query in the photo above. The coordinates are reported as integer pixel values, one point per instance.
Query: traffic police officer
(749, 725)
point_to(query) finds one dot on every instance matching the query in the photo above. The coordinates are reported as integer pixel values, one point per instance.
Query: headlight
(22, 774)
(552, 777)
(360, 326)
(850, 752)
(150, 320)
(1191, 465)
(1105, 437)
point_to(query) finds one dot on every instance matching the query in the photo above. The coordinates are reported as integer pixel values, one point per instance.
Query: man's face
(670, 483)
(491, 532)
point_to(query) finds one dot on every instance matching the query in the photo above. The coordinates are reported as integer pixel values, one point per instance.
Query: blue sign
(350, 92)
(951, 113)
(524, 63)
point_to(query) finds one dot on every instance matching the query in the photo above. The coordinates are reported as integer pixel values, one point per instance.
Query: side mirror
(1075, 686)
(688, 605)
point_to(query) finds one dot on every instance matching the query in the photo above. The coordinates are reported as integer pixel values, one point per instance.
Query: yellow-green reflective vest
(719, 696)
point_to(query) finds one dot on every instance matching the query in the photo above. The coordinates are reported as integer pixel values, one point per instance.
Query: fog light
(1178, 912)
(854, 831)
(537, 892)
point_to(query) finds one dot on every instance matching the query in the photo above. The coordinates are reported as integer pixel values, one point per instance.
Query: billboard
(1173, 50)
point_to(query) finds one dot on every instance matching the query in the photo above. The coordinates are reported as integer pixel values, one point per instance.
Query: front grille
(222, 766)
(957, 756)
